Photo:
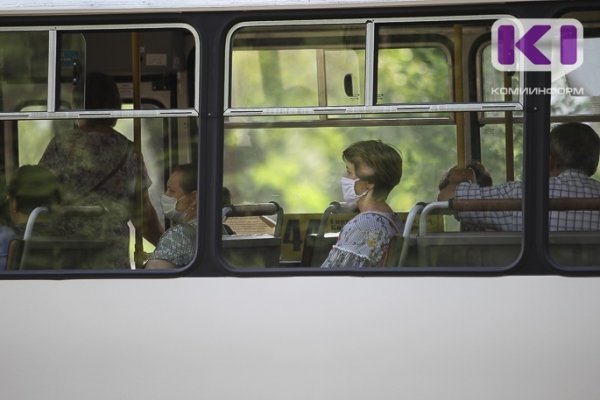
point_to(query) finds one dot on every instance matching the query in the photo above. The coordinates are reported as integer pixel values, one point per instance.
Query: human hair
(384, 160)
(101, 93)
(482, 177)
(189, 177)
(34, 186)
(575, 146)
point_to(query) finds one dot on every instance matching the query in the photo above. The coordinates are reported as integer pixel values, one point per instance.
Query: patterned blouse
(569, 183)
(177, 245)
(364, 241)
(98, 168)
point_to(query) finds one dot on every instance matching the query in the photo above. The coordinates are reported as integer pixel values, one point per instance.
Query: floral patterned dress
(364, 241)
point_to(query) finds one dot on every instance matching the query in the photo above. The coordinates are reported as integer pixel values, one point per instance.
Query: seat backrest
(256, 241)
(43, 246)
(317, 245)
(262, 210)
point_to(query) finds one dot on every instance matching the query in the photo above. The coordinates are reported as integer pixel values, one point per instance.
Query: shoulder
(368, 221)
(467, 190)
(7, 233)
(179, 232)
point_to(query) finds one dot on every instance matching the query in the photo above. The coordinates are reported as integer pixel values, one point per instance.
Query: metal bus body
(459, 315)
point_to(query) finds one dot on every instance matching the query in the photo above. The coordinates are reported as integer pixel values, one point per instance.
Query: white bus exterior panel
(45, 7)
(301, 338)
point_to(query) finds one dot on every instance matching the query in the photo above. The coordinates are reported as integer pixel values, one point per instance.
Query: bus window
(286, 148)
(24, 64)
(293, 66)
(574, 237)
(92, 221)
(34, 136)
(414, 66)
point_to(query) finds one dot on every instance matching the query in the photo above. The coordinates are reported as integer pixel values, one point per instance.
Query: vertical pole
(508, 132)
(458, 97)
(137, 144)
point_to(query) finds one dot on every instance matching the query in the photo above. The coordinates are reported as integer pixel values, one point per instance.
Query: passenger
(32, 186)
(483, 179)
(573, 159)
(177, 246)
(373, 169)
(98, 166)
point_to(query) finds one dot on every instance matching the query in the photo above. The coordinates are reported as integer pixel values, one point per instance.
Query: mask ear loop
(367, 179)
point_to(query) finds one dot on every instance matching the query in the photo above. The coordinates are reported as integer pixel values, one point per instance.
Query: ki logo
(554, 45)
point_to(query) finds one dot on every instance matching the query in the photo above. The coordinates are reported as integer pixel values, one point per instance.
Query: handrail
(436, 205)
(31, 221)
(458, 205)
(555, 204)
(412, 215)
(335, 207)
(90, 210)
(63, 211)
(255, 209)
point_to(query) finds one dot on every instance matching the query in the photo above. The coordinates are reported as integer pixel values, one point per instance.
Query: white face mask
(169, 207)
(349, 192)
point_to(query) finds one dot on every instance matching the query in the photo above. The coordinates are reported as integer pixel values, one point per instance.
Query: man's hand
(453, 177)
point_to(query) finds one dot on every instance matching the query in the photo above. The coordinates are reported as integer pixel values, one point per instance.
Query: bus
(261, 98)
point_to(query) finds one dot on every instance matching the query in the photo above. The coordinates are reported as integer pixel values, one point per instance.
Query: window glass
(497, 86)
(72, 183)
(413, 66)
(297, 66)
(49, 144)
(494, 151)
(23, 67)
(300, 169)
(295, 161)
(574, 225)
(574, 192)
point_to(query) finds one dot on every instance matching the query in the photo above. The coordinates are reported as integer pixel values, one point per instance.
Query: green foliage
(301, 167)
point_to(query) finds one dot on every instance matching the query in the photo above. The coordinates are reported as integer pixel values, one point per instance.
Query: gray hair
(575, 146)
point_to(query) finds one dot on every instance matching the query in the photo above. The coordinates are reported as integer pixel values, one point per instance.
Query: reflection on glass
(24, 68)
(88, 226)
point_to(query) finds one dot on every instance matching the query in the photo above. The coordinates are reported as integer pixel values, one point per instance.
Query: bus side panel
(300, 338)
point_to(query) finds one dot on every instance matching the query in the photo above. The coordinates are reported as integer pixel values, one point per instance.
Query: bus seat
(317, 245)
(400, 251)
(456, 249)
(500, 249)
(257, 238)
(392, 257)
(580, 249)
(43, 247)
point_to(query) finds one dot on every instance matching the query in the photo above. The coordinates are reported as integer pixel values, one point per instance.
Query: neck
(368, 203)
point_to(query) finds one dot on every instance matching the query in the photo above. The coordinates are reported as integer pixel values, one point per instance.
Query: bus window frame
(370, 49)
(52, 113)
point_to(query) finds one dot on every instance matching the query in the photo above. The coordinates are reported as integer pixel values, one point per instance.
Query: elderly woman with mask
(177, 246)
(373, 169)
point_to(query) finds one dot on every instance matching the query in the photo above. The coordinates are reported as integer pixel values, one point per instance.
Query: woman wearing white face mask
(177, 245)
(373, 169)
